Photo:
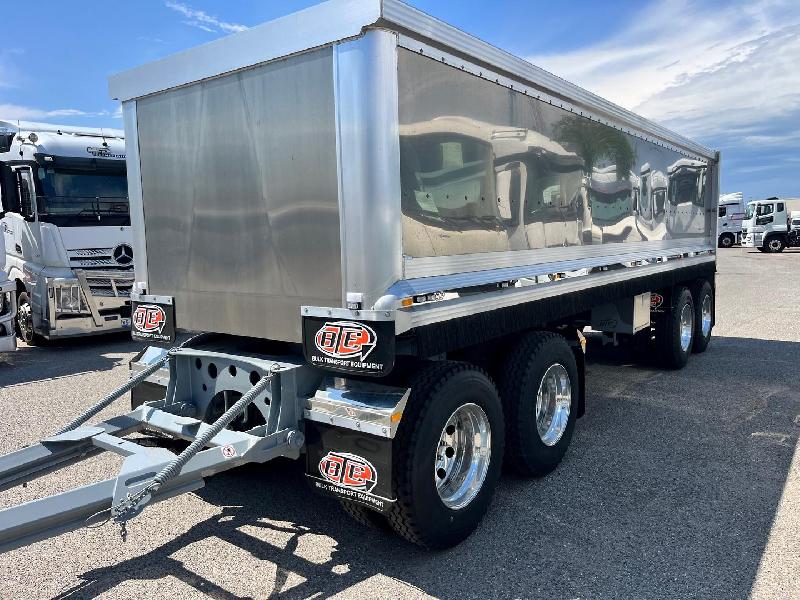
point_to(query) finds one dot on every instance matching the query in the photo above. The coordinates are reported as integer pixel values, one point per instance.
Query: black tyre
(676, 336)
(366, 516)
(24, 321)
(448, 453)
(703, 299)
(726, 240)
(761, 249)
(775, 244)
(539, 390)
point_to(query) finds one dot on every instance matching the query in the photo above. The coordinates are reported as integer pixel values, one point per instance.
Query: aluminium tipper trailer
(392, 234)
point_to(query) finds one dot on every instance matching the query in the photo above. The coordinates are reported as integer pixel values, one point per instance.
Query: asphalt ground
(677, 485)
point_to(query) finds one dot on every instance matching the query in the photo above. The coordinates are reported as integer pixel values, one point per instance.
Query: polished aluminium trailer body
(392, 234)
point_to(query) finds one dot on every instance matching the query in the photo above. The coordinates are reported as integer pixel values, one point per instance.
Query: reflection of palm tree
(594, 142)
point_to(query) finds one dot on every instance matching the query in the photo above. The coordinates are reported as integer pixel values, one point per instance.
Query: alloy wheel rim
(25, 321)
(687, 325)
(705, 313)
(553, 404)
(462, 456)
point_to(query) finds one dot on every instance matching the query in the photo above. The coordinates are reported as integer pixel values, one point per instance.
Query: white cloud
(202, 20)
(713, 72)
(24, 113)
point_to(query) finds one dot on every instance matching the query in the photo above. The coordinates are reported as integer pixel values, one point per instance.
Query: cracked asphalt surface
(677, 485)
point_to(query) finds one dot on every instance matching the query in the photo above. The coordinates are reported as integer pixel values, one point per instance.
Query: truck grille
(95, 258)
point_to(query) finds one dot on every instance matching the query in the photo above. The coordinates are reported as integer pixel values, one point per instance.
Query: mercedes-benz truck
(66, 229)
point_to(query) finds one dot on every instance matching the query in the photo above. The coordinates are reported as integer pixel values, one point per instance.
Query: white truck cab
(66, 229)
(766, 225)
(729, 220)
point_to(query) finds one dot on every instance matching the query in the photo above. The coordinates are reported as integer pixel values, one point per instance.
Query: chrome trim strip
(346, 313)
(368, 136)
(436, 312)
(135, 203)
(461, 263)
(443, 283)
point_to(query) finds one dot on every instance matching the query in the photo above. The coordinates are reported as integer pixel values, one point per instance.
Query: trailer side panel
(239, 185)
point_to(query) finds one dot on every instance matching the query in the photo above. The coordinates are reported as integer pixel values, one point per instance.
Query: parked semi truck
(729, 222)
(68, 242)
(362, 235)
(767, 226)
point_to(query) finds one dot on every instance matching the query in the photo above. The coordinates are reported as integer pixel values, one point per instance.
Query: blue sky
(724, 73)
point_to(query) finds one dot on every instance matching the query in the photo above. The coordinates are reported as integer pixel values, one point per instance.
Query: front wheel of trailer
(539, 388)
(447, 455)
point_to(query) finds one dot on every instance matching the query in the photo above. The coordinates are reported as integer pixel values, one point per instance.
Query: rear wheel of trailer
(447, 455)
(677, 331)
(703, 299)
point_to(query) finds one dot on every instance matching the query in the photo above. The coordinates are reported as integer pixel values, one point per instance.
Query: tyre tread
(425, 386)
(519, 361)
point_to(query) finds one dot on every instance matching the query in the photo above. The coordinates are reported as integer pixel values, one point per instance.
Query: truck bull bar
(147, 474)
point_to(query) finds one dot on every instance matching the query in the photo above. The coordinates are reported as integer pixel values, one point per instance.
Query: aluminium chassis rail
(141, 478)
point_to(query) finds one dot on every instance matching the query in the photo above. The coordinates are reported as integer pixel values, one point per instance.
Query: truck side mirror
(6, 139)
(9, 201)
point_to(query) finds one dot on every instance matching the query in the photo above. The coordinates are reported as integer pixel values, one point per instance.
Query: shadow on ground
(669, 490)
(62, 358)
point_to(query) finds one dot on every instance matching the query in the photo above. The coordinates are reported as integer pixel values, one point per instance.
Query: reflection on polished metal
(462, 456)
(705, 312)
(507, 172)
(239, 184)
(687, 327)
(553, 402)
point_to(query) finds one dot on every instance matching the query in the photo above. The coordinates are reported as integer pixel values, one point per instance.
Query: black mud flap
(350, 465)
(358, 347)
(153, 322)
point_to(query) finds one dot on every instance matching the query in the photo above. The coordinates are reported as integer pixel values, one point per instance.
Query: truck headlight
(68, 299)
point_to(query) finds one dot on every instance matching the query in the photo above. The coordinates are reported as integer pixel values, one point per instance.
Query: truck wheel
(677, 335)
(539, 389)
(775, 244)
(24, 321)
(447, 455)
(366, 516)
(703, 300)
(726, 240)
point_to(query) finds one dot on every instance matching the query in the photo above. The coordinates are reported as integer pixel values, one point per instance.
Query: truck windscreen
(80, 198)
